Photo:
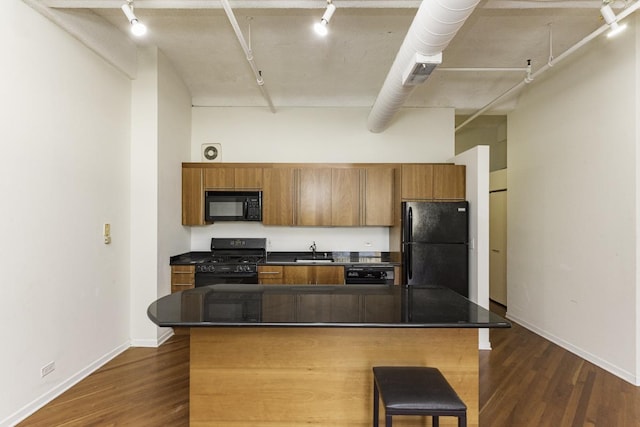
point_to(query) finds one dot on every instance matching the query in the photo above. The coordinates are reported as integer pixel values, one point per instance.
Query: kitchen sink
(313, 260)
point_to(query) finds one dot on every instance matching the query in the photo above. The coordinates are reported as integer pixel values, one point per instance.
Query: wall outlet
(47, 369)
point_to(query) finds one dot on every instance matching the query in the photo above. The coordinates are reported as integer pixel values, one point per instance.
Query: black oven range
(232, 260)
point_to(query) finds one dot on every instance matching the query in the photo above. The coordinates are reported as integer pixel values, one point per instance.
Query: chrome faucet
(313, 249)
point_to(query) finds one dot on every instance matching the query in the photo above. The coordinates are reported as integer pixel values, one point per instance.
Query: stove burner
(232, 258)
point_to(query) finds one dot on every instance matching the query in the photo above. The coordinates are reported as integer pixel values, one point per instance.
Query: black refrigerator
(435, 244)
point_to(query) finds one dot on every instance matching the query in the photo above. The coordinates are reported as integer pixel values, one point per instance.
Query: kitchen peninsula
(302, 355)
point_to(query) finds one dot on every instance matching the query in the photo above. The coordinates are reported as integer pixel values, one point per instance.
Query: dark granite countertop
(339, 258)
(381, 306)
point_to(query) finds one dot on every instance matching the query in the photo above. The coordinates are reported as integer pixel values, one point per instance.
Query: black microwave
(232, 206)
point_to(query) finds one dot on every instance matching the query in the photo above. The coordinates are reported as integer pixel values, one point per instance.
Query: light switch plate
(107, 233)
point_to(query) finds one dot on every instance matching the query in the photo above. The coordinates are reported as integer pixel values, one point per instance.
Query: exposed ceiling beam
(238, 4)
(316, 4)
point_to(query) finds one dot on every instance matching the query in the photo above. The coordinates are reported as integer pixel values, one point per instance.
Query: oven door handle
(225, 275)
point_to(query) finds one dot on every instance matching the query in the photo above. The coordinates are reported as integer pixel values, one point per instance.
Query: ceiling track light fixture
(137, 27)
(321, 27)
(611, 19)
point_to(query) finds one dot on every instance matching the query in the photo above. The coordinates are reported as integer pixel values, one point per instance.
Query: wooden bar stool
(415, 390)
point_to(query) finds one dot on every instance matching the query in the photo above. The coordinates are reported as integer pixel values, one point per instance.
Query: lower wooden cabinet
(313, 275)
(182, 277)
(271, 274)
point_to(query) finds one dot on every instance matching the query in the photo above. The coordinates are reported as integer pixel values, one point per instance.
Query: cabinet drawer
(270, 274)
(182, 277)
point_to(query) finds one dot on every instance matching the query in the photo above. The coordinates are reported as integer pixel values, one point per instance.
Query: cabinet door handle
(495, 250)
(182, 272)
(269, 272)
(182, 284)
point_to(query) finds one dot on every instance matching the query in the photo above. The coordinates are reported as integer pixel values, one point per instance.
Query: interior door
(498, 246)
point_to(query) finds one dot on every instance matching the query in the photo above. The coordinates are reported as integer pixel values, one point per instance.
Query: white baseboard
(615, 370)
(65, 385)
(166, 333)
(483, 339)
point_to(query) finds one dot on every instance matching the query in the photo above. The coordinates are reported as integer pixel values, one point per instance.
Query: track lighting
(611, 20)
(321, 27)
(137, 27)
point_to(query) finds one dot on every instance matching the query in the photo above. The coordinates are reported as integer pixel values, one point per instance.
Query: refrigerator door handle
(409, 263)
(409, 226)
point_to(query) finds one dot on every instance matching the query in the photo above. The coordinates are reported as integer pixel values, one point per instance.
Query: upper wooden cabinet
(345, 197)
(314, 197)
(378, 192)
(433, 182)
(192, 197)
(240, 178)
(277, 196)
(328, 196)
(323, 194)
(417, 181)
(449, 182)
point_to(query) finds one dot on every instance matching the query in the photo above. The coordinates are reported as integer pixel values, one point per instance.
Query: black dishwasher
(369, 275)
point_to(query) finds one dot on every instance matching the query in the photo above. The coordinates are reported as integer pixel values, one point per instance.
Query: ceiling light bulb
(321, 27)
(616, 29)
(138, 28)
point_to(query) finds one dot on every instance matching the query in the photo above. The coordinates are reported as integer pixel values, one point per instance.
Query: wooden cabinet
(198, 179)
(219, 179)
(248, 178)
(271, 274)
(345, 197)
(314, 196)
(313, 275)
(182, 277)
(378, 189)
(362, 196)
(433, 182)
(232, 178)
(192, 197)
(328, 196)
(277, 196)
(417, 181)
(449, 182)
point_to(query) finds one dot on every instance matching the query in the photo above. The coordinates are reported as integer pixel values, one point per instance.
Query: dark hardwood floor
(525, 381)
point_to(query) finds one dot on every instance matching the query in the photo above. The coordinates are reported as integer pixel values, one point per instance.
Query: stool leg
(462, 420)
(376, 404)
(436, 421)
(387, 420)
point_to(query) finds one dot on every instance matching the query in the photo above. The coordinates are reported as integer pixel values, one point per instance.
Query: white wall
(476, 161)
(572, 209)
(160, 140)
(174, 142)
(64, 171)
(317, 135)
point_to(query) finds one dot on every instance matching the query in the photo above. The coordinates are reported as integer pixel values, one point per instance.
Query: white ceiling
(348, 67)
